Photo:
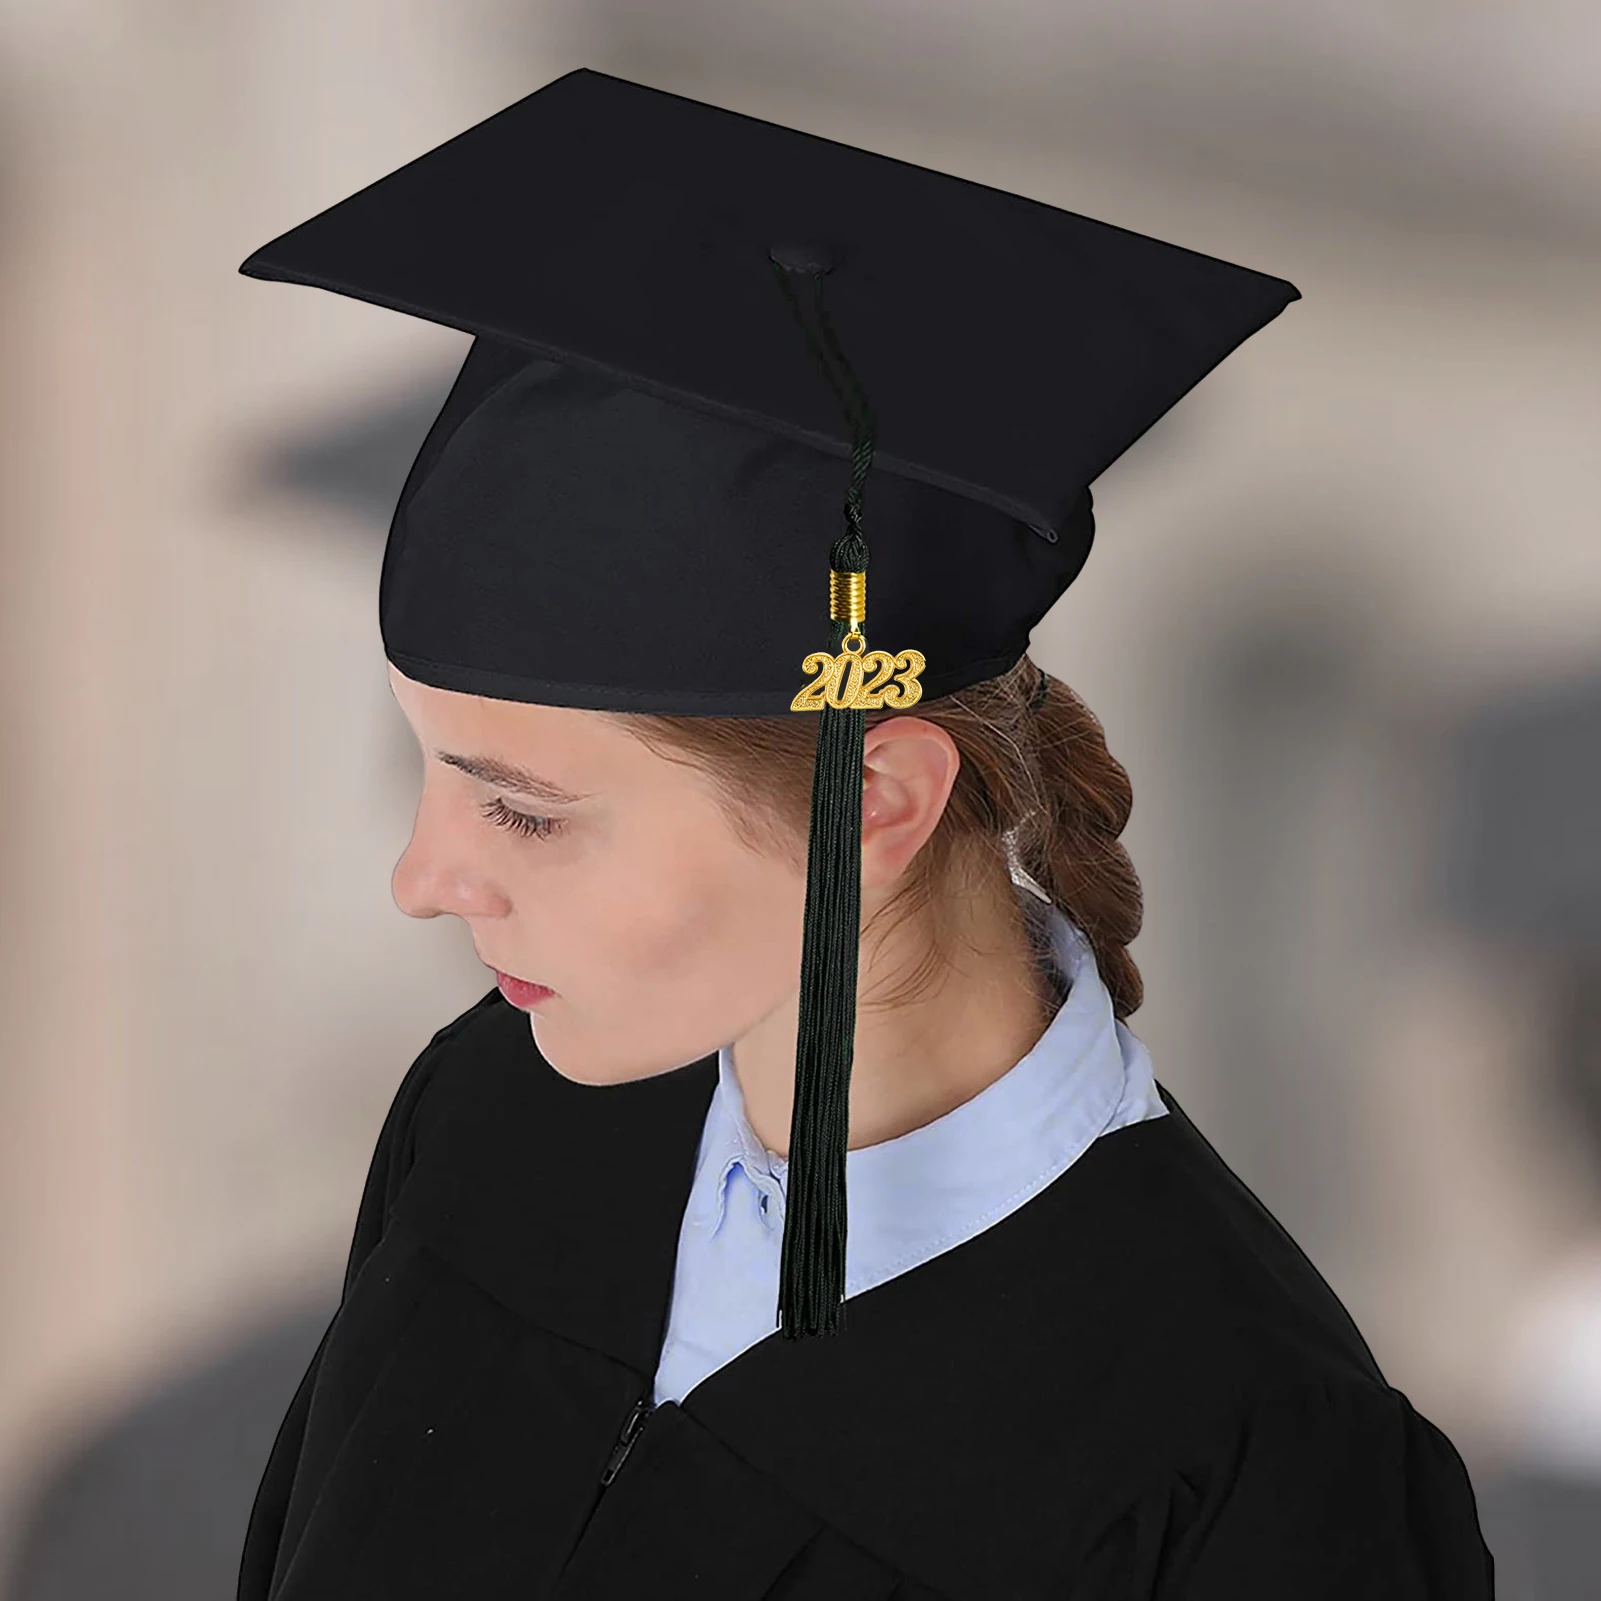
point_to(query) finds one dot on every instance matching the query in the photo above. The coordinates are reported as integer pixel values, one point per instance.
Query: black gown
(1134, 1386)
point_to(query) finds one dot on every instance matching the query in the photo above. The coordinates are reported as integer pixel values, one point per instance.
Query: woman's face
(662, 934)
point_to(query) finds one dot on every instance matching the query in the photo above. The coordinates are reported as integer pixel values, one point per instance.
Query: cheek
(678, 927)
(704, 924)
(675, 949)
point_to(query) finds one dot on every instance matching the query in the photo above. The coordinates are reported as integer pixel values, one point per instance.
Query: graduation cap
(697, 336)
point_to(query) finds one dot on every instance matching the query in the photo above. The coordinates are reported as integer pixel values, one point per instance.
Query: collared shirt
(909, 1198)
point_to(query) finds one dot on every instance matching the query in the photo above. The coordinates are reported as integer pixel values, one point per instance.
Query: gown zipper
(643, 1408)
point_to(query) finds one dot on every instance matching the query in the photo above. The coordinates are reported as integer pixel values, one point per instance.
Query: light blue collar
(914, 1196)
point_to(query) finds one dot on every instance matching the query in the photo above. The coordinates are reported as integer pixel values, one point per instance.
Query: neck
(918, 1060)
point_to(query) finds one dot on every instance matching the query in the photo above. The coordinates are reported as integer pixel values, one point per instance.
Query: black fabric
(629, 500)
(1013, 350)
(569, 541)
(1133, 1387)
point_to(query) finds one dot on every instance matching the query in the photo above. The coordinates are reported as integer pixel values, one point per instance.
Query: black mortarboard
(627, 500)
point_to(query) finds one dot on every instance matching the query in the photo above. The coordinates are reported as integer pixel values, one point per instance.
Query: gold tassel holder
(857, 678)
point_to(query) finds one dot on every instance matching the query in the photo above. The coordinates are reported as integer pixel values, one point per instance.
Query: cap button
(802, 255)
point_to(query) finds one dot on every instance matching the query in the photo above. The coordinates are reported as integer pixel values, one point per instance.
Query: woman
(1070, 1354)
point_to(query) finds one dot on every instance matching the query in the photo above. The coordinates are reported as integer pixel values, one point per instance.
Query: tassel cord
(812, 1268)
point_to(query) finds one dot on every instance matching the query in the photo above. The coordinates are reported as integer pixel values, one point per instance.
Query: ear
(909, 766)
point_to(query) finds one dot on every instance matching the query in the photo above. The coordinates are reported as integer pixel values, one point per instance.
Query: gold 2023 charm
(859, 678)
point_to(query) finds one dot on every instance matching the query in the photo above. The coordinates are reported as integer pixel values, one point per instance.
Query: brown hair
(1040, 784)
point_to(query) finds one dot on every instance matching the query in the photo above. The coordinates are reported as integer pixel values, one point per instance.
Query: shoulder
(465, 1048)
(1255, 1447)
(1314, 1488)
(481, 1075)
(454, 1054)
(490, 1038)
(1194, 1273)
(482, 1096)
(484, 1133)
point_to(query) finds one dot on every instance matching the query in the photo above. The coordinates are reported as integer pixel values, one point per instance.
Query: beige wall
(207, 994)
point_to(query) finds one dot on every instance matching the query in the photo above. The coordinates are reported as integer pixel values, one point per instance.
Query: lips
(520, 994)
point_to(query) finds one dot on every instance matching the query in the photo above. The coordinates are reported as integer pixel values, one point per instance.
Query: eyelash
(520, 822)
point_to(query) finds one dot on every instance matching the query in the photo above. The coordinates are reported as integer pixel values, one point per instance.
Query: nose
(437, 872)
(406, 885)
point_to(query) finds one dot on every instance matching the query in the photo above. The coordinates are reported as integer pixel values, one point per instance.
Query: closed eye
(525, 823)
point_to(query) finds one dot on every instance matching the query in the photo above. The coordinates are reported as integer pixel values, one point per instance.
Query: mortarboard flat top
(1012, 350)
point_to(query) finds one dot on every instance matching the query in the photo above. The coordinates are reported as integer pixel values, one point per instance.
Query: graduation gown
(1134, 1386)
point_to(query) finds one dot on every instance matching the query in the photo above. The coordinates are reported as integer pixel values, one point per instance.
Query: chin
(579, 1068)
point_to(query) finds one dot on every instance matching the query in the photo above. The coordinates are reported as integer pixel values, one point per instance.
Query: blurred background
(1342, 623)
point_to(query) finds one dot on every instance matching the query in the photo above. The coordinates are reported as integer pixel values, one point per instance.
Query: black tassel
(811, 1286)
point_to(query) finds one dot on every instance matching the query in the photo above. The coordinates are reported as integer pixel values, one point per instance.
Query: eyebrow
(506, 775)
